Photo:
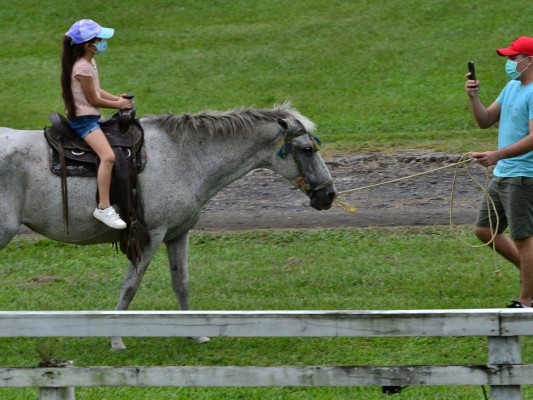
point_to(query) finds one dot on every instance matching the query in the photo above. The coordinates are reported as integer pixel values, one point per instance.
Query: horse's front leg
(131, 284)
(178, 261)
(10, 219)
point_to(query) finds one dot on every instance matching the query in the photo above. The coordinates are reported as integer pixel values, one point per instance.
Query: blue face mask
(101, 46)
(510, 68)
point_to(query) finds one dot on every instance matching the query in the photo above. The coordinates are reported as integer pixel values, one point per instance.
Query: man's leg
(503, 245)
(516, 195)
(525, 249)
(492, 213)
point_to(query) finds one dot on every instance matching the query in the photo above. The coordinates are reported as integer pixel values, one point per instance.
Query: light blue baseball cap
(86, 29)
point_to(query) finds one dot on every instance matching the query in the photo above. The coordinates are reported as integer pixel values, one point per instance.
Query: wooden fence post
(505, 350)
(58, 393)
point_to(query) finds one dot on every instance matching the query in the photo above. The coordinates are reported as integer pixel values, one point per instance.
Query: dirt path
(262, 199)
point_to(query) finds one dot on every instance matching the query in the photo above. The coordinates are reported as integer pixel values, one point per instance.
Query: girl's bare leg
(100, 145)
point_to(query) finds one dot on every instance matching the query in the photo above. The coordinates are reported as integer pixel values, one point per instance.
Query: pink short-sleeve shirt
(84, 67)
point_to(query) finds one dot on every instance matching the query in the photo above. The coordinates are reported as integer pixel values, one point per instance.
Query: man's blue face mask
(510, 68)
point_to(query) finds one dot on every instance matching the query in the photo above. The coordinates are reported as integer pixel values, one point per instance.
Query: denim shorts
(513, 203)
(85, 125)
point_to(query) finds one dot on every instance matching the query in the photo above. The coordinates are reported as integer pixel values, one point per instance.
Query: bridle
(287, 148)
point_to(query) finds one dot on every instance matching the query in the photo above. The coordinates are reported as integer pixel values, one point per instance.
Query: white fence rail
(504, 371)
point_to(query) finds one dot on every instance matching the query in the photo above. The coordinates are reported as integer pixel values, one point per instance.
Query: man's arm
(485, 117)
(523, 146)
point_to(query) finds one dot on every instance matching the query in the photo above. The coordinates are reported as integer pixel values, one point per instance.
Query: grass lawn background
(378, 74)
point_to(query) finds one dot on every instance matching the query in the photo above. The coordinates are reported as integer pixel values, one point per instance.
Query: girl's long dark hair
(71, 52)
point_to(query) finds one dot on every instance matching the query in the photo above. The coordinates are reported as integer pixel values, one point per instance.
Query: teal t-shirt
(516, 111)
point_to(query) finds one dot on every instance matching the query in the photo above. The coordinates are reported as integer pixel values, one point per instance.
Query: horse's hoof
(201, 339)
(117, 344)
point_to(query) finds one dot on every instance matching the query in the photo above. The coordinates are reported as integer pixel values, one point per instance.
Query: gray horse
(190, 158)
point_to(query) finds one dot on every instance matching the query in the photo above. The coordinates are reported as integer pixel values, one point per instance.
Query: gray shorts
(513, 202)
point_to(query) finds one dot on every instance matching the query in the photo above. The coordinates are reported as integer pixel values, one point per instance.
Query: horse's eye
(307, 151)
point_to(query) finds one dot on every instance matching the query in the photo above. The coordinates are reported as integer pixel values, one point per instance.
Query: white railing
(503, 327)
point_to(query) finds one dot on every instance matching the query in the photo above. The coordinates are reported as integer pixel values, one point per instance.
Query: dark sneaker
(516, 304)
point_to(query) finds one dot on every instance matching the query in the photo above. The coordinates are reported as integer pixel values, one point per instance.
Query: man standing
(511, 187)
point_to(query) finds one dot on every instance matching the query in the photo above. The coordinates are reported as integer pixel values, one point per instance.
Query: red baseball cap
(522, 45)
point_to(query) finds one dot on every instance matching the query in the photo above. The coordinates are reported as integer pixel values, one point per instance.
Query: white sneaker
(109, 217)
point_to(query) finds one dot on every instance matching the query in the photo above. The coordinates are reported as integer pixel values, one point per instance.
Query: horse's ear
(284, 124)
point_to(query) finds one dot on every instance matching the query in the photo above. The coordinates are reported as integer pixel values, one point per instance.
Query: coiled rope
(463, 162)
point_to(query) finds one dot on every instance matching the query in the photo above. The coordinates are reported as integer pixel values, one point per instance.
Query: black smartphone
(472, 70)
(128, 96)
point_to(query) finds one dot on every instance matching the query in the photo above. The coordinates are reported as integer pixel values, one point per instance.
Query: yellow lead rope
(463, 161)
(490, 205)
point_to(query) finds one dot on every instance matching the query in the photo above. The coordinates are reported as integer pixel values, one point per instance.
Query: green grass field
(330, 269)
(378, 74)
(381, 75)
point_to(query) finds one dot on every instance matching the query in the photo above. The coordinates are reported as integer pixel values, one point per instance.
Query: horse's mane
(228, 122)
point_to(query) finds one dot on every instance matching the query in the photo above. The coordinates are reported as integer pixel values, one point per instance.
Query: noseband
(287, 147)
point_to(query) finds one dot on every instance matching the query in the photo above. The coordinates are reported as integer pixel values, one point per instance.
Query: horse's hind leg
(178, 261)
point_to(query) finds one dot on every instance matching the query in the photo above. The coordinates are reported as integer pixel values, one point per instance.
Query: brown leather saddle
(79, 158)
(70, 155)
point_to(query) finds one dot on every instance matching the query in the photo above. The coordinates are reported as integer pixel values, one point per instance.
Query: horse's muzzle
(323, 198)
